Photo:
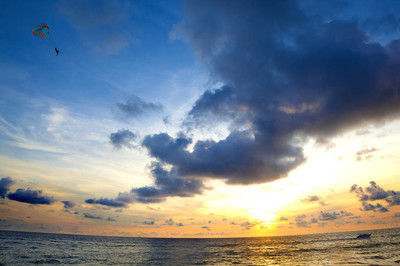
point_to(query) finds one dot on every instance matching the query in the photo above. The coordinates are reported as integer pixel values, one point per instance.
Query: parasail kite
(41, 30)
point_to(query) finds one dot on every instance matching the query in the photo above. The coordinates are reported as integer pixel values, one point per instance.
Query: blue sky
(199, 118)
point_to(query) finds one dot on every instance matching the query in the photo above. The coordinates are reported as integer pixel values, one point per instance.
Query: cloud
(167, 184)
(247, 225)
(396, 215)
(302, 221)
(394, 198)
(233, 159)
(30, 196)
(152, 209)
(91, 216)
(345, 213)
(283, 219)
(378, 222)
(68, 204)
(219, 103)
(311, 198)
(371, 207)
(122, 138)
(374, 192)
(206, 227)
(148, 222)
(135, 107)
(170, 221)
(5, 184)
(289, 75)
(122, 200)
(328, 216)
(365, 154)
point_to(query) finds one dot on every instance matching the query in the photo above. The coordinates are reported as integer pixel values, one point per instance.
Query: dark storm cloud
(122, 200)
(5, 184)
(238, 159)
(289, 76)
(388, 23)
(68, 204)
(122, 138)
(220, 103)
(167, 184)
(135, 107)
(30, 196)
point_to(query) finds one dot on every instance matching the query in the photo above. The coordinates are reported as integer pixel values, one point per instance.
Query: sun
(261, 204)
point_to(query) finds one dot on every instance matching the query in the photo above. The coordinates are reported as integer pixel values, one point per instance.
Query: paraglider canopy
(41, 30)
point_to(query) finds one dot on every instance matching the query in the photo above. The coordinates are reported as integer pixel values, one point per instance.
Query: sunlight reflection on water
(335, 248)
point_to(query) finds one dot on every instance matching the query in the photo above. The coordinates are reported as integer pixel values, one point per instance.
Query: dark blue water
(21, 248)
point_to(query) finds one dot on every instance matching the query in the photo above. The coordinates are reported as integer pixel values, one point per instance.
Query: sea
(23, 248)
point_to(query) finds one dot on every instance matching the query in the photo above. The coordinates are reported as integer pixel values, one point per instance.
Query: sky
(200, 118)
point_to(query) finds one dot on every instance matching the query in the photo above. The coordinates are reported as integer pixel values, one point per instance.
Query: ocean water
(21, 248)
